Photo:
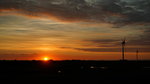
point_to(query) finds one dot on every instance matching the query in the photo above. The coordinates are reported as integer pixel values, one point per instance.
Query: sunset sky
(74, 29)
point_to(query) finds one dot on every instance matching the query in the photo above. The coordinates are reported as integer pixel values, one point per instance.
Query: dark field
(75, 72)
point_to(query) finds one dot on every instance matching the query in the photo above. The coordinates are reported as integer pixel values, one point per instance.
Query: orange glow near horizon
(44, 49)
(87, 41)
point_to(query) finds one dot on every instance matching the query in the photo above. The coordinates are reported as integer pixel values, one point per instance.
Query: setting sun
(45, 58)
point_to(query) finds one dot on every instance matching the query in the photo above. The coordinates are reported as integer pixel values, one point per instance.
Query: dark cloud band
(110, 11)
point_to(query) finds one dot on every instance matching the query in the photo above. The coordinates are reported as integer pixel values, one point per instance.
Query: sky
(74, 29)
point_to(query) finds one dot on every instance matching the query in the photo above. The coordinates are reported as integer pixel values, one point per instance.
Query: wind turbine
(137, 52)
(123, 48)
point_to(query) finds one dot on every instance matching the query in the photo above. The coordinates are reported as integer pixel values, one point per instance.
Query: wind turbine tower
(137, 52)
(123, 49)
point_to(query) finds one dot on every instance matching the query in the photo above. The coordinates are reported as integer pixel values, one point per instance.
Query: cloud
(134, 42)
(103, 42)
(109, 11)
(98, 49)
(108, 49)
